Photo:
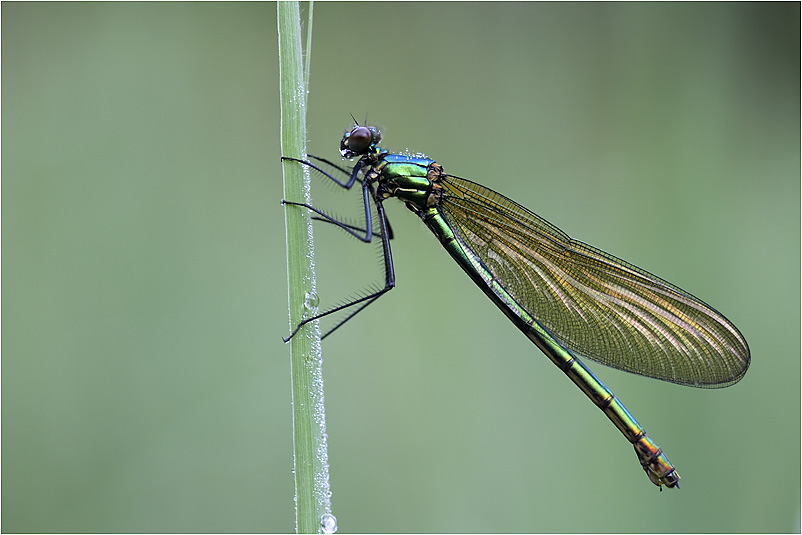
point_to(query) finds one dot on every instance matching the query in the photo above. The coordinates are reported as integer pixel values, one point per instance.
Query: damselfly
(569, 298)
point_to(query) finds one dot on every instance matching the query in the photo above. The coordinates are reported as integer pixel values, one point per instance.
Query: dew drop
(328, 523)
(311, 301)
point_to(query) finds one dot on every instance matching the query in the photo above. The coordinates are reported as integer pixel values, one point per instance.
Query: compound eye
(360, 139)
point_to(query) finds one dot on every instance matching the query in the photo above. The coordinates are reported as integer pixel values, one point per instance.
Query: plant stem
(312, 493)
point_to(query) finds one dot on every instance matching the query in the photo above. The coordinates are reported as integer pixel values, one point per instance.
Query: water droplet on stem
(328, 523)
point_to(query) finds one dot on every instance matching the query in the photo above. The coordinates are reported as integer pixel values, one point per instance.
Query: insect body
(569, 298)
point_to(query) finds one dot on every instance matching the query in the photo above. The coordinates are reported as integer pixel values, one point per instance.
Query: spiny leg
(365, 236)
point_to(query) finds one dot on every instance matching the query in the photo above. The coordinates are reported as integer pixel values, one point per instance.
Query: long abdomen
(652, 459)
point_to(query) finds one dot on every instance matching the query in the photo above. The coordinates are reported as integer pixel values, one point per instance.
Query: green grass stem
(312, 492)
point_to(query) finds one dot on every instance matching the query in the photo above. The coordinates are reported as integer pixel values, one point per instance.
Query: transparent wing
(593, 303)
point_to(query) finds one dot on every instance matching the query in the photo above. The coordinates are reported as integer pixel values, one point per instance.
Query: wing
(593, 303)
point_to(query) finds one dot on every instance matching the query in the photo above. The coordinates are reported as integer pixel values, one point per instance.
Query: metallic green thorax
(419, 183)
(411, 180)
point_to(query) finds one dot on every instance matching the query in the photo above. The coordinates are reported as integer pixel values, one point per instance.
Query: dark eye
(360, 139)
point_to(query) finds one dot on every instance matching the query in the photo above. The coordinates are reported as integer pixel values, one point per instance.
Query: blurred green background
(145, 386)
